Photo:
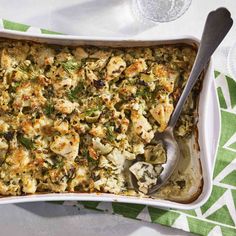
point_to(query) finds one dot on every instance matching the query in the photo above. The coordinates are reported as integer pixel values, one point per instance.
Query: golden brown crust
(72, 118)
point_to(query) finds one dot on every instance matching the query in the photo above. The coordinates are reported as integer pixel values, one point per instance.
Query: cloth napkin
(218, 215)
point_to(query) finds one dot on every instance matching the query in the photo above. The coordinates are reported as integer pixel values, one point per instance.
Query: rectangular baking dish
(208, 125)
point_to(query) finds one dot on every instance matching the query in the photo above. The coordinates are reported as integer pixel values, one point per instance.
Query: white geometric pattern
(225, 199)
(144, 215)
(227, 170)
(181, 223)
(215, 231)
(230, 142)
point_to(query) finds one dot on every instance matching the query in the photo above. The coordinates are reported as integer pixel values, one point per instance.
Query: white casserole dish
(208, 125)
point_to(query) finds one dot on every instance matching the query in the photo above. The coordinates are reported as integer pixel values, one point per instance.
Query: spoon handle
(217, 25)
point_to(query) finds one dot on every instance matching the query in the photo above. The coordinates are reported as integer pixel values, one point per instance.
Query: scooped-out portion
(79, 119)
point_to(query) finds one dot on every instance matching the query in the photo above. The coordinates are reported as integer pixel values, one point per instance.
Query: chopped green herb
(85, 153)
(90, 112)
(27, 143)
(110, 133)
(70, 65)
(73, 94)
(58, 164)
(143, 92)
(49, 109)
(91, 160)
(16, 84)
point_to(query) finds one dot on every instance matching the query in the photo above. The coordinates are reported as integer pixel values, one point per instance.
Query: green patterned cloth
(218, 215)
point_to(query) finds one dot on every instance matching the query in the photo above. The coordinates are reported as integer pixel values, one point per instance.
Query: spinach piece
(90, 112)
(110, 133)
(70, 65)
(143, 92)
(13, 87)
(49, 109)
(27, 143)
(85, 153)
(73, 94)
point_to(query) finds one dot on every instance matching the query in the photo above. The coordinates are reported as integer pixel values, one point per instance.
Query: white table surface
(71, 17)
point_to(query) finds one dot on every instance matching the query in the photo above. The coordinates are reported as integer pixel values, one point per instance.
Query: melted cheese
(75, 118)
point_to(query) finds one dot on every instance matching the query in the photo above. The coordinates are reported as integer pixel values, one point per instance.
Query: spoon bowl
(173, 155)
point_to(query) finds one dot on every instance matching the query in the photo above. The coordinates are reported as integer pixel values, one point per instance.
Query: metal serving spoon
(217, 25)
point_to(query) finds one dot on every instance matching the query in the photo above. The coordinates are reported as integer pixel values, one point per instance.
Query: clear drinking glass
(160, 10)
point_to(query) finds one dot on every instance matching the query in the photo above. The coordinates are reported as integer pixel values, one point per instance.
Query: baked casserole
(74, 119)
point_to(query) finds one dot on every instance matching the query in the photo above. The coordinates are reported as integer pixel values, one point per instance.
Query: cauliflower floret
(42, 143)
(63, 56)
(141, 126)
(63, 84)
(101, 148)
(42, 122)
(80, 53)
(160, 71)
(155, 154)
(12, 56)
(29, 95)
(138, 148)
(58, 188)
(110, 183)
(3, 126)
(3, 148)
(166, 77)
(97, 184)
(114, 184)
(43, 55)
(64, 106)
(4, 188)
(81, 177)
(39, 126)
(145, 174)
(28, 128)
(29, 184)
(117, 158)
(6, 60)
(95, 65)
(4, 100)
(124, 125)
(100, 63)
(161, 113)
(19, 157)
(128, 155)
(66, 145)
(115, 67)
(128, 89)
(100, 54)
(77, 125)
(105, 163)
(98, 131)
(12, 187)
(90, 75)
(137, 67)
(61, 126)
